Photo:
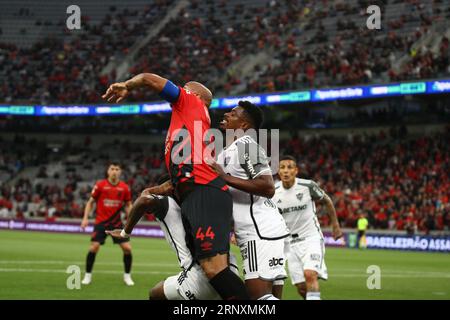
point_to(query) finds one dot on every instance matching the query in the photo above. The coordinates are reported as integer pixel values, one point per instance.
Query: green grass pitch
(33, 266)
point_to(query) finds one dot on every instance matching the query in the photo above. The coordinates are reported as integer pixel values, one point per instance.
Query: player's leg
(157, 292)
(97, 239)
(263, 265)
(166, 290)
(312, 285)
(90, 259)
(314, 267)
(295, 268)
(277, 289)
(207, 218)
(127, 260)
(301, 289)
(259, 289)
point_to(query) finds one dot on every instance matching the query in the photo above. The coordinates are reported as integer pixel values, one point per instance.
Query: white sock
(268, 297)
(313, 296)
(88, 275)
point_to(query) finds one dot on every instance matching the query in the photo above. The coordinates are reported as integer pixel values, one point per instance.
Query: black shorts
(207, 219)
(361, 233)
(99, 234)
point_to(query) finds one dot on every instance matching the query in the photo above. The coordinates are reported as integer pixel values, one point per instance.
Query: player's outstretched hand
(115, 233)
(337, 233)
(116, 92)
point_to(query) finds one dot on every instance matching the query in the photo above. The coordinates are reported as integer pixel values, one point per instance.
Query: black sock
(127, 259)
(229, 286)
(90, 261)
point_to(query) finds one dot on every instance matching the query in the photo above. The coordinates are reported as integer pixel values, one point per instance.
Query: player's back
(297, 207)
(254, 216)
(185, 145)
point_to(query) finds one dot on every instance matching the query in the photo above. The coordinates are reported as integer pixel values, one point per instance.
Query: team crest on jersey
(279, 201)
(299, 196)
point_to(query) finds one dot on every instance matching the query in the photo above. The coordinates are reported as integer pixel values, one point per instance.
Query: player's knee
(94, 247)
(157, 292)
(213, 265)
(126, 249)
(310, 276)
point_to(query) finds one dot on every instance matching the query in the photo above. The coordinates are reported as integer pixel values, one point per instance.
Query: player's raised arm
(318, 194)
(165, 88)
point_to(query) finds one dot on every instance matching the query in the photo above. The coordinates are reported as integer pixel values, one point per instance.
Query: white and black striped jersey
(168, 214)
(254, 216)
(297, 207)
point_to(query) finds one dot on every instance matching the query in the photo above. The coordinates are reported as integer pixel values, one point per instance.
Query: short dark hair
(255, 114)
(288, 157)
(114, 163)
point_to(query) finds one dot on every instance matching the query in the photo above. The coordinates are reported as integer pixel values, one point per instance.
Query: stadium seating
(233, 46)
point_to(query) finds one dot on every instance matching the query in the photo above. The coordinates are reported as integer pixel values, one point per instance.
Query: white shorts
(192, 284)
(306, 255)
(263, 259)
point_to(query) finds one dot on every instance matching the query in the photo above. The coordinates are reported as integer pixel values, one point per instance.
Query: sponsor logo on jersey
(276, 262)
(190, 295)
(315, 257)
(296, 208)
(206, 246)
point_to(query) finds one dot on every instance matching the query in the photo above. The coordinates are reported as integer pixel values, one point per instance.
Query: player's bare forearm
(337, 233)
(150, 80)
(164, 189)
(260, 186)
(138, 209)
(330, 209)
(88, 208)
(142, 205)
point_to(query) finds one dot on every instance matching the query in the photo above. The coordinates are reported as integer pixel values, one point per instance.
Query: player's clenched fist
(116, 92)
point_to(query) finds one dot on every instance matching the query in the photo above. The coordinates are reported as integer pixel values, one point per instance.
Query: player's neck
(288, 184)
(113, 182)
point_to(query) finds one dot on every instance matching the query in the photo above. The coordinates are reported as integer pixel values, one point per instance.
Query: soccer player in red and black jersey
(206, 204)
(110, 195)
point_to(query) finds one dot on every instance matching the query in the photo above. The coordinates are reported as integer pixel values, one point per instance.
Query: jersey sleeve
(182, 101)
(253, 159)
(95, 193)
(316, 192)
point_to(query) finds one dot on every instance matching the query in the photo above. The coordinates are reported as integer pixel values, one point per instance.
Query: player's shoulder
(304, 182)
(101, 182)
(123, 184)
(246, 140)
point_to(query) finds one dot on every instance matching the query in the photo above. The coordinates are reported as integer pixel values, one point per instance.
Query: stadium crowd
(206, 38)
(401, 182)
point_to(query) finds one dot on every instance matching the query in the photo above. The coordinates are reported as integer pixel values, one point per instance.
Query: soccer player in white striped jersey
(191, 283)
(259, 228)
(296, 199)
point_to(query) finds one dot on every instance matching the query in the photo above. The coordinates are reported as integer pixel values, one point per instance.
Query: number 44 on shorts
(209, 234)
